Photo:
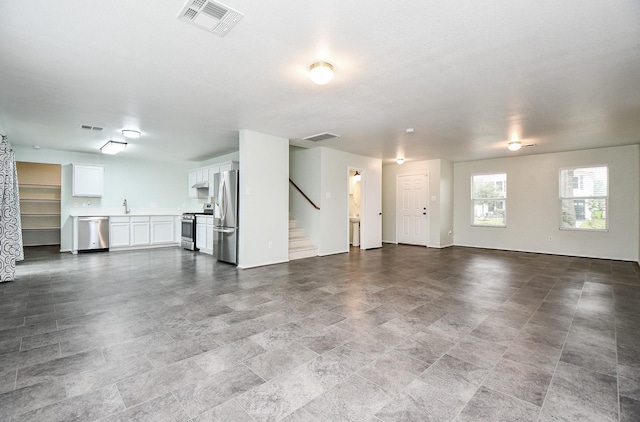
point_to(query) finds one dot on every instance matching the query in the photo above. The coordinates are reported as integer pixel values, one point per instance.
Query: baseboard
(441, 247)
(265, 264)
(390, 241)
(333, 253)
(545, 252)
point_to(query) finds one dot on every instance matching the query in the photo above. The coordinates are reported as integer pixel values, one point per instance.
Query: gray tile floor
(396, 334)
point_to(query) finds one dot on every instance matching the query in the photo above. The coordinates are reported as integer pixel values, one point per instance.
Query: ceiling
(563, 75)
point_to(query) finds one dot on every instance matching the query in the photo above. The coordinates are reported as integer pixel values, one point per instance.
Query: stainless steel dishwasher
(93, 233)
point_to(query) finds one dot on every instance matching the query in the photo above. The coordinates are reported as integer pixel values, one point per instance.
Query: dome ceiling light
(321, 72)
(515, 143)
(131, 134)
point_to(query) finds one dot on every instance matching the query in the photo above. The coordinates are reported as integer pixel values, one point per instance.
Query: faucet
(126, 211)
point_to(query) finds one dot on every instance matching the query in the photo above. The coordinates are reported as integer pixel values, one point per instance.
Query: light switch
(328, 195)
(434, 198)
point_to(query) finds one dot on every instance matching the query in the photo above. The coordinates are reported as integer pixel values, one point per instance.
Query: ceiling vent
(321, 137)
(210, 15)
(89, 127)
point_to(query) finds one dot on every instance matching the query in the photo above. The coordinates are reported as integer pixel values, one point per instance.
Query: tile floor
(396, 334)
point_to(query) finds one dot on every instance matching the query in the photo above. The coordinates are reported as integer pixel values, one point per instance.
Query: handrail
(303, 194)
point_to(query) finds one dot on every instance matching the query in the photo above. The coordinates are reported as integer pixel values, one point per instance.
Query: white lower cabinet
(204, 233)
(143, 231)
(162, 230)
(140, 232)
(118, 232)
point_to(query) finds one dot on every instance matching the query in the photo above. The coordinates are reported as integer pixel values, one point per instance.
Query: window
(488, 195)
(584, 195)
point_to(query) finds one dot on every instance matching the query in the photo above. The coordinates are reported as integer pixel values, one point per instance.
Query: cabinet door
(193, 179)
(210, 236)
(118, 234)
(201, 236)
(87, 180)
(162, 230)
(140, 231)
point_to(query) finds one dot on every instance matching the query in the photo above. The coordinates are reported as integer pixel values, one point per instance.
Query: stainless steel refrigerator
(225, 221)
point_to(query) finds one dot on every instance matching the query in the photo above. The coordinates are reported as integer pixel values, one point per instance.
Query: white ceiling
(564, 75)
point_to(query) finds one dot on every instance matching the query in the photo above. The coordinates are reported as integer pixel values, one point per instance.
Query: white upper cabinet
(207, 174)
(193, 179)
(88, 180)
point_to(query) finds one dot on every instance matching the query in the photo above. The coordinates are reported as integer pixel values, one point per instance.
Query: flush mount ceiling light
(399, 160)
(515, 143)
(131, 134)
(321, 72)
(113, 147)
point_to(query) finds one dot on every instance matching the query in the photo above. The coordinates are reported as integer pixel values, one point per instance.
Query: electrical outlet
(270, 244)
(450, 232)
(550, 238)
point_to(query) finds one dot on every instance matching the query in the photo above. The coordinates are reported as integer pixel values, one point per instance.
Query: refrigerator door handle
(223, 230)
(223, 202)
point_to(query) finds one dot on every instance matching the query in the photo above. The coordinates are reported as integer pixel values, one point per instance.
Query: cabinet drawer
(118, 219)
(162, 218)
(140, 219)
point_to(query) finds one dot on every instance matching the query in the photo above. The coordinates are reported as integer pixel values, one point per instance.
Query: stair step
(295, 233)
(298, 242)
(292, 224)
(302, 252)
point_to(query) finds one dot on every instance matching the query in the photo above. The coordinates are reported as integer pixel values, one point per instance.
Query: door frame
(363, 200)
(398, 200)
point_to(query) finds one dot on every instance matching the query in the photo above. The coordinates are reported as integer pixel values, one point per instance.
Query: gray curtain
(10, 225)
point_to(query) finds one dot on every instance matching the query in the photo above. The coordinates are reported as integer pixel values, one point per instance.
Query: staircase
(299, 245)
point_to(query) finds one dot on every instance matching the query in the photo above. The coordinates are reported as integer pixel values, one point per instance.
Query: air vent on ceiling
(89, 127)
(321, 137)
(210, 15)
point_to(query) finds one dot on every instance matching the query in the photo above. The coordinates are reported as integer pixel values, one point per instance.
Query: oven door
(188, 234)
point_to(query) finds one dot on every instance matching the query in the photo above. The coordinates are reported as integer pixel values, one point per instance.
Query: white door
(411, 209)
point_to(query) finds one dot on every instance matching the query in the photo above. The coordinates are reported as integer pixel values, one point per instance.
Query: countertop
(119, 212)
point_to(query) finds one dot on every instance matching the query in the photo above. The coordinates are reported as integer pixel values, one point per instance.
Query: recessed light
(409, 130)
(131, 134)
(399, 160)
(36, 147)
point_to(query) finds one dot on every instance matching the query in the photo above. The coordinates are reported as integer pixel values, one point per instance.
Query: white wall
(446, 204)
(304, 170)
(533, 212)
(264, 199)
(145, 184)
(440, 211)
(334, 201)
(234, 156)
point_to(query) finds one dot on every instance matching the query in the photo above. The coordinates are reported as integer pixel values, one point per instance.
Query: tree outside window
(488, 195)
(584, 195)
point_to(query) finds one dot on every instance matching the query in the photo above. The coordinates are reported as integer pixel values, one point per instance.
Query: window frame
(584, 198)
(504, 188)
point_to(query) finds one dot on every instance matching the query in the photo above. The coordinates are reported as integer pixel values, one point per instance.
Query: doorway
(356, 208)
(40, 195)
(412, 219)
